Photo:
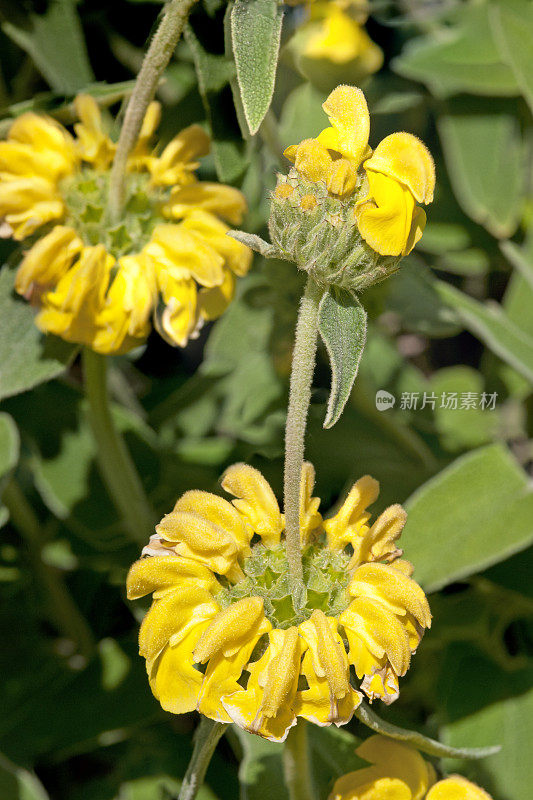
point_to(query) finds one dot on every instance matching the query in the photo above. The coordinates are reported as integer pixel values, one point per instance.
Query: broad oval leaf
(342, 326)
(255, 36)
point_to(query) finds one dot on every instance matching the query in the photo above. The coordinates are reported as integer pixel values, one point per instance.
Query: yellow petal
(179, 319)
(213, 302)
(378, 543)
(397, 760)
(393, 589)
(28, 203)
(49, 259)
(230, 629)
(216, 198)
(183, 254)
(455, 787)
(47, 138)
(208, 230)
(380, 630)
(320, 633)
(385, 221)
(222, 676)
(312, 160)
(94, 144)
(173, 679)
(350, 123)
(198, 538)
(317, 704)
(310, 518)
(160, 574)
(24, 161)
(256, 501)
(333, 35)
(352, 517)
(173, 616)
(382, 685)
(349, 788)
(179, 158)
(220, 512)
(406, 159)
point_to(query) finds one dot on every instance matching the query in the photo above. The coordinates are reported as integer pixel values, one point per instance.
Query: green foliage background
(78, 718)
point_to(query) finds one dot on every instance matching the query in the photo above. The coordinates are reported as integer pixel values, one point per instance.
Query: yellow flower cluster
(399, 772)
(223, 635)
(334, 33)
(389, 181)
(99, 284)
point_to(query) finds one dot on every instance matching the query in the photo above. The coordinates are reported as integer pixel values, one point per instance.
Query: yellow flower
(382, 186)
(168, 261)
(399, 772)
(222, 634)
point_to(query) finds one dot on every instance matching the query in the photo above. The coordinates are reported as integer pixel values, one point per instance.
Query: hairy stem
(297, 766)
(162, 46)
(62, 610)
(206, 738)
(117, 468)
(303, 367)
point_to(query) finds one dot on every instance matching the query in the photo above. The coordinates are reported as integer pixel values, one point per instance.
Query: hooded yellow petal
(172, 616)
(208, 230)
(382, 685)
(380, 630)
(201, 539)
(348, 788)
(94, 145)
(317, 704)
(265, 707)
(406, 159)
(395, 590)
(455, 787)
(397, 760)
(48, 260)
(216, 198)
(182, 254)
(178, 160)
(230, 629)
(178, 321)
(161, 574)
(51, 145)
(28, 203)
(378, 543)
(385, 220)
(220, 512)
(173, 678)
(350, 520)
(348, 114)
(222, 676)
(256, 501)
(335, 36)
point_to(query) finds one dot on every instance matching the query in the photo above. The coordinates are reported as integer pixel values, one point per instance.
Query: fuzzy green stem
(297, 767)
(303, 367)
(117, 469)
(162, 46)
(61, 608)
(206, 738)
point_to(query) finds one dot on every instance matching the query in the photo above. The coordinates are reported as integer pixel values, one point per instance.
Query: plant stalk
(206, 738)
(159, 53)
(303, 367)
(62, 610)
(297, 768)
(117, 468)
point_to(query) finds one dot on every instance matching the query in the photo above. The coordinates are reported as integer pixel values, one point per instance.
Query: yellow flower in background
(332, 44)
(168, 261)
(399, 772)
(379, 190)
(222, 634)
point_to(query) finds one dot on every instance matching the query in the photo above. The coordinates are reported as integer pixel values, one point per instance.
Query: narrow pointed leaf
(255, 36)
(342, 326)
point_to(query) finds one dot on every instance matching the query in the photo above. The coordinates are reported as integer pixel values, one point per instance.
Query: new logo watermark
(384, 400)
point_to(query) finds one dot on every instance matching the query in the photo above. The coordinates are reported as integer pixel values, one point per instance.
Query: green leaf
(302, 116)
(474, 513)
(255, 35)
(463, 58)
(53, 39)
(9, 456)
(342, 326)
(430, 746)
(214, 73)
(332, 755)
(493, 327)
(261, 769)
(19, 784)
(27, 358)
(459, 427)
(485, 160)
(512, 26)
